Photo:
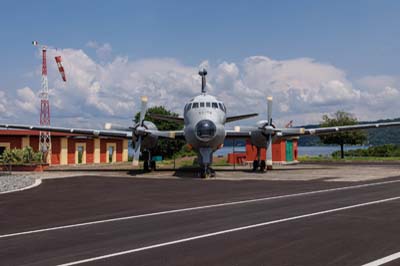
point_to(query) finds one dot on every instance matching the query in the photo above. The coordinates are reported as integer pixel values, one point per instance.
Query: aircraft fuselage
(204, 129)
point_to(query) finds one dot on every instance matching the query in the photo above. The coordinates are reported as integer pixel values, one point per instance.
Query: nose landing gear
(207, 172)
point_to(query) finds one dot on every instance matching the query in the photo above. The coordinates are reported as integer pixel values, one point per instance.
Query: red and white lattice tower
(45, 138)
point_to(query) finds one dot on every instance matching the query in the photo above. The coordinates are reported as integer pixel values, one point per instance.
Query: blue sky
(361, 38)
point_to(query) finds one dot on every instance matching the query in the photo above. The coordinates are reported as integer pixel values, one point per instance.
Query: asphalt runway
(89, 220)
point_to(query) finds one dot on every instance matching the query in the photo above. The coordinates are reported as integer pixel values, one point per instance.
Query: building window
(111, 155)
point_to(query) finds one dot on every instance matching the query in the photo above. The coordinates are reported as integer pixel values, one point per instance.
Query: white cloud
(27, 100)
(375, 83)
(99, 91)
(379, 98)
(4, 105)
(103, 51)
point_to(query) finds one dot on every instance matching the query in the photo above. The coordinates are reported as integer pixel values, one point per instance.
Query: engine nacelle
(148, 141)
(258, 137)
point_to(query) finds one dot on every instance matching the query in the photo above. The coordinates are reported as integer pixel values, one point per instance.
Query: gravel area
(12, 182)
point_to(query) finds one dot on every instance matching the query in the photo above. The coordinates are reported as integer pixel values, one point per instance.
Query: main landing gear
(259, 165)
(148, 164)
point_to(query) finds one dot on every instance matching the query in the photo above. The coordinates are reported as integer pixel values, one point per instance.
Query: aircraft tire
(204, 173)
(153, 165)
(212, 172)
(146, 166)
(263, 166)
(255, 165)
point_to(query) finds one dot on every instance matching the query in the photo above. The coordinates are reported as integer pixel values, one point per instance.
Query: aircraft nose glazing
(205, 130)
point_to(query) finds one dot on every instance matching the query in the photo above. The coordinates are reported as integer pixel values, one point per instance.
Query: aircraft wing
(239, 117)
(244, 132)
(239, 132)
(330, 130)
(178, 134)
(181, 120)
(90, 132)
(173, 134)
(168, 118)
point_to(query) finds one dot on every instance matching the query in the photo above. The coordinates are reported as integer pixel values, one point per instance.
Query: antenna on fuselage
(203, 74)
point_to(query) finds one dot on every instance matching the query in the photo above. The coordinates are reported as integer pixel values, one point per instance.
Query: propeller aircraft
(204, 119)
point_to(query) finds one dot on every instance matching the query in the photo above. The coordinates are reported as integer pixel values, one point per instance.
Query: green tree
(341, 118)
(165, 147)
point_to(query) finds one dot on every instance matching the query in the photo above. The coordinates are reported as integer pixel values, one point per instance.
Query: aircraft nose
(205, 130)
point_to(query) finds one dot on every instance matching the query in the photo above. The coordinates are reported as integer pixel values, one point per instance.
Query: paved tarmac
(95, 220)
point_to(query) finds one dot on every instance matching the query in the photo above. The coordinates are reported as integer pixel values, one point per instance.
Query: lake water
(325, 150)
(303, 150)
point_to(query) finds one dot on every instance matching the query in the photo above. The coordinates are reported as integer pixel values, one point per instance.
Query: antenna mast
(203, 74)
(45, 137)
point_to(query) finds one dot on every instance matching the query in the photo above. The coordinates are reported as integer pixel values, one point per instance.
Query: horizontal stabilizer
(239, 117)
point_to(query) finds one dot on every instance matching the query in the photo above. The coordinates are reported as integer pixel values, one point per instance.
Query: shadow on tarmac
(186, 172)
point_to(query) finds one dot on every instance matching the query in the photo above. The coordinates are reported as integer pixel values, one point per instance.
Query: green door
(289, 150)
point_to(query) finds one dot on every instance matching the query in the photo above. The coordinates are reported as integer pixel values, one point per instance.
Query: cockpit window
(201, 104)
(214, 105)
(189, 106)
(208, 104)
(224, 107)
(221, 107)
(195, 105)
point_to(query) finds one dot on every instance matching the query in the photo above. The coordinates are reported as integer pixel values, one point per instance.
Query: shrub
(21, 156)
(387, 150)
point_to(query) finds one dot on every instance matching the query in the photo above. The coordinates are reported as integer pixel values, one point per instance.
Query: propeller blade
(138, 131)
(269, 146)
(269, 152)
(143, 109)
(269, 109)
(136, 154)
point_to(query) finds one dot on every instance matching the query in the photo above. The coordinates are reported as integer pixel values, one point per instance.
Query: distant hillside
(375, 136)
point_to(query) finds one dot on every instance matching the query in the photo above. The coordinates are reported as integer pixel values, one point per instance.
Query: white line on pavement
(228, 231)
(195, 208)
(384, 260)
